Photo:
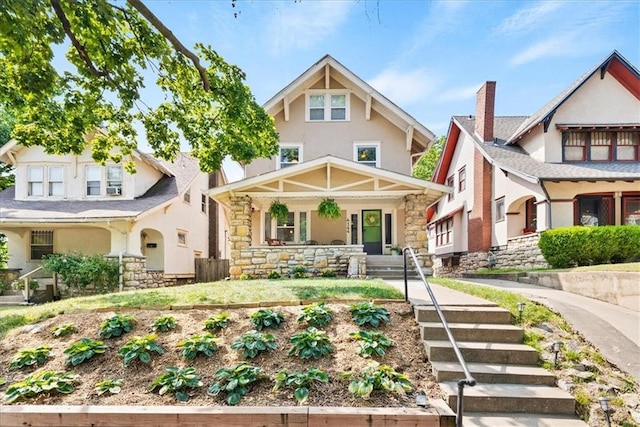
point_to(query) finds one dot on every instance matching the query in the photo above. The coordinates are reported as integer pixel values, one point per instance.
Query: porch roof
(328, 176)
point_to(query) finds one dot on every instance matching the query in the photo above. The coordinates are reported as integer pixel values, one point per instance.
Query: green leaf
(301, 394)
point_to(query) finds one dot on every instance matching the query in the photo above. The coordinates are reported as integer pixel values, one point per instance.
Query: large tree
(426, 166)
(111, 48)
(6, 171)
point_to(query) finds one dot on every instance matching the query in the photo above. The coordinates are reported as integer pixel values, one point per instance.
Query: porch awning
(328, 176)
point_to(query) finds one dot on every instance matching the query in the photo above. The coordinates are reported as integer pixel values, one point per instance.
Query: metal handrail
(468, 380)
(26, 278)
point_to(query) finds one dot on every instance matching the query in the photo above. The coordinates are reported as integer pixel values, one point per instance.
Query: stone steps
(486, 352)
(464, 314)
(483, 419)
(500, 333)
(494, 373)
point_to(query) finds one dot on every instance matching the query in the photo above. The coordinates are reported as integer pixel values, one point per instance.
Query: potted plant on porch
(328, 208)
(396, 250)
(279, 210)
(18, 285)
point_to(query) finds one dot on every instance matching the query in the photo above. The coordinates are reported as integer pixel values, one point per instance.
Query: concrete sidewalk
(614, 330)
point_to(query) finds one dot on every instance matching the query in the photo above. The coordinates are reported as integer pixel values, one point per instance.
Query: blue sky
(429, 57)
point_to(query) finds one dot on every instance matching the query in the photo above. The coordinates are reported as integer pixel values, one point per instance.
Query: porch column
(239, 231)
(617, 210)
(415, 227)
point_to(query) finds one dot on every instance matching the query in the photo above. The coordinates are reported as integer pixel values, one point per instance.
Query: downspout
(548, 200)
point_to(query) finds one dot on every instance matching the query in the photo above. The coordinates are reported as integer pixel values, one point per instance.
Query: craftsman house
(339, 139)
(575, 161)
(157, 219)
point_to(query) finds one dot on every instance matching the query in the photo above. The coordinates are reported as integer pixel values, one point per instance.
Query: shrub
(253, 343)
(299, 381)
(30, 357)
(235, 381)
(204, 344)
(83, 350)
(163, 324)
(327, 273)
(176, 380)
(63, 330)
(273, 275)
(378, 377)
(369, 313)
(140, 348)
(310, 343)
(299, 272)
(77, 271)
(245, 276)
(266, 318)
(41, 382)
(116, 325)
(218, 321)
(371, 343)
(108, 385)
(316, 314)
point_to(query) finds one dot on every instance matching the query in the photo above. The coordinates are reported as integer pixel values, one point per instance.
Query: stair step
(518, 398)
(484, 419)
(492, 373)
(464, 314)
(526, 280)
(503, 353)
(504, 333)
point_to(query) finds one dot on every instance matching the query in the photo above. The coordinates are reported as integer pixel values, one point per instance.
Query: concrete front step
(485, 419)
(495, 374)
(502, 353)
(464, 314)
(515, 398)
(472, 332)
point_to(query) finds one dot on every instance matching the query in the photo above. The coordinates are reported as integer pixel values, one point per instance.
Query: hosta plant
(253, 343)
(316, 314)
(217, 322)
(299, 272)
(177, 380)
(116, 325)
(83, 350)
(371, 343)
(140, 348)
(368, 313)
(108, 386)
(235, 381)
(311, 343)
(378, 377)
(266, 318)
(63, 330)
(299, 381)
(40, 383)
(205, 344)
(163, 324)
(30, 357)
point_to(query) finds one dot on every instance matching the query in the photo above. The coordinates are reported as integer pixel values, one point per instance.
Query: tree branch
(66, 25)
(177, 45)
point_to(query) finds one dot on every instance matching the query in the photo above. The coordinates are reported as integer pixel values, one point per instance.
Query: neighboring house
(156, 218)
(576, 161)
(339, 139)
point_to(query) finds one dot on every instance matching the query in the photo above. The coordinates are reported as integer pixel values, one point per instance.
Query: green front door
(372, 231)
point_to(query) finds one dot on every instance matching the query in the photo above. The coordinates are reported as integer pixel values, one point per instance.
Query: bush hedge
(79, 271)
(579, 245)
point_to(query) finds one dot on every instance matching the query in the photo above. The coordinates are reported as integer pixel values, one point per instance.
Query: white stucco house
(575, 161)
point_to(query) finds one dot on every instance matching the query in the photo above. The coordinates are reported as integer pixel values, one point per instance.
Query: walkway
(614, 330)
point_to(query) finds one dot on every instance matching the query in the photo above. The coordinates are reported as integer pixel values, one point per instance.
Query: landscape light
(421, 399)
(556, 350)
(520, 310)
(604, 404)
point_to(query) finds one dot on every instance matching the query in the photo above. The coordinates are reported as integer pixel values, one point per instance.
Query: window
(35, 181)
(444, 232)
(41, 243)
(500, 212)
(328, 106)
(187, 196)
(289, 155)
(94, 180)
(575, 147)
(450, 184)
(531, 215)
(203, 203)
(56, 181)
(462, 179)
(631, 210)
(182, 238)
(600, 146)
(293, 229)
(114, 179)
(367, 153)
(286, 229)
(627, 146)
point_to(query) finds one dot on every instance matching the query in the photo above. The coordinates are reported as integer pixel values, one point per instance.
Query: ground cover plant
(116, 325)
(30, 357)
(140, 348)
(253, 343)
(299, 381)
(205, 344)
(177, 381)
(108, 386)
(217, 322)
(266, 318)
(163, 324)
(83, 350)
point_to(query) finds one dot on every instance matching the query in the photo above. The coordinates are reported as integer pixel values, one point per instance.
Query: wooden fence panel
(211, 269)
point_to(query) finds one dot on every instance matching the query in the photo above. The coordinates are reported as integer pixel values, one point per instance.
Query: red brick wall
(479, 233)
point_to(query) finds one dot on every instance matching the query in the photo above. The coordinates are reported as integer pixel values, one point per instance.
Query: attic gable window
(367, 152)
(35, 181)
(600, 146)
(94, 180)
(332, 105)
(55, 181)
(289, 155)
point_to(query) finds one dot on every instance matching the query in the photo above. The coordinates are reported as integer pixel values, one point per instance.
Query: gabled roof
(329, 176)
(328, 66)
(615, 64)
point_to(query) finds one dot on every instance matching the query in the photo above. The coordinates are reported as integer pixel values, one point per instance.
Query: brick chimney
(485, 105)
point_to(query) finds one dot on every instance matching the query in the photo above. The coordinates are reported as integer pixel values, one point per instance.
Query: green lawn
(226, 292)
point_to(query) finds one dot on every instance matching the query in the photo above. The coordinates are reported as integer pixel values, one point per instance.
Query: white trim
(376, 144)
(297, 145)
(327, 104)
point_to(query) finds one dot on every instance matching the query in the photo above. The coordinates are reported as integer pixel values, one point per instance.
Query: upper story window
(600, 146)
(187, 196)
(41, 177)
(35, 180)
(94, 180)
(203, 203)
(450, 184)
(367, 153)
(289, 155)
(462, 179)
(328, 106)
(56, 187)
(500, 211)
(114, 180)
(182, 238)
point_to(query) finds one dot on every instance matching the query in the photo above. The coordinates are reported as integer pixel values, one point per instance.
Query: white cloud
(459, 93)
(405, 87)
(553, 46)
(304, 24)
(528, 19)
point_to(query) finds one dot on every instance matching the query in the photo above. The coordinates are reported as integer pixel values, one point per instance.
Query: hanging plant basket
(279, 210)
(328, 208)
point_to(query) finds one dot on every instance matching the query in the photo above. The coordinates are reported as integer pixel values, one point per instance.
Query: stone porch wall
(136, 275)
(415, 228)
(521, 252)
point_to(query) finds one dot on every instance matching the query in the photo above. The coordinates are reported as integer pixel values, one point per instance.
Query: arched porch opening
(152, 247)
